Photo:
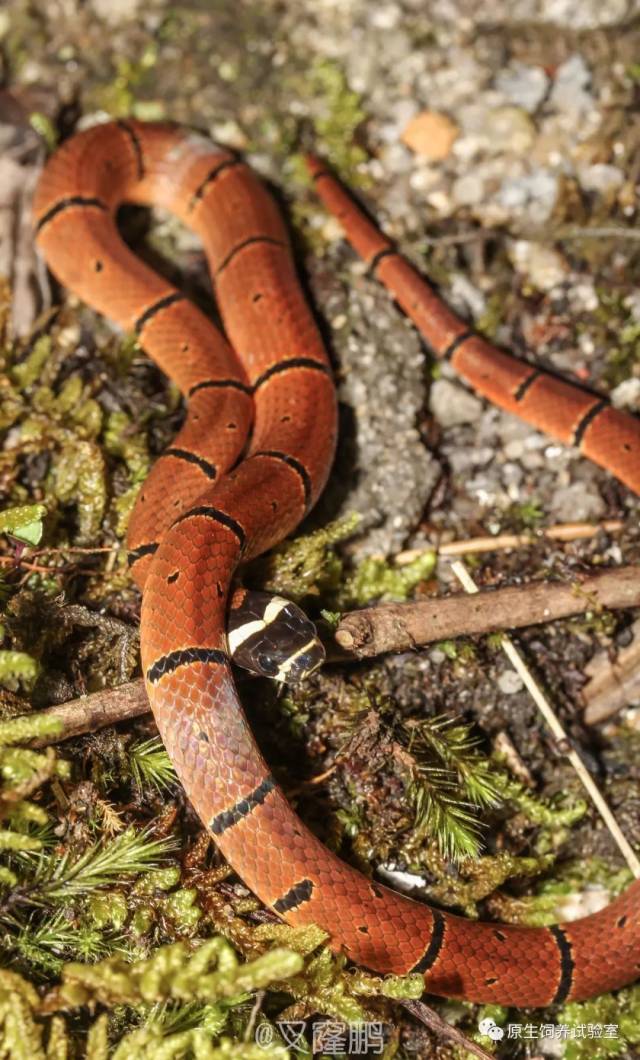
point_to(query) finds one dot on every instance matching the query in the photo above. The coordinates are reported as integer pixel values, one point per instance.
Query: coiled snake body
(203, 509)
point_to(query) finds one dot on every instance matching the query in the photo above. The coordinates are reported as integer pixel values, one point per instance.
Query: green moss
(44, 128)
(308, 565)
(377, 579)
(122, 440)
(208, 972)
(492, 319)
(109, 910)
(17, 668)
(181, 907)
(341, 116)
(612, 327)
(620, 1015)
(525, 516)
(26, 372)
(119, 97)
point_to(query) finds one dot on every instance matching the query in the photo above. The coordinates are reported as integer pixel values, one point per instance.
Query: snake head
(272, 637)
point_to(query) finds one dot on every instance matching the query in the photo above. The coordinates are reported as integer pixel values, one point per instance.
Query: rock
(509, 129)
(603, 179)
(469, 189)
(576, 503)
(430, 134)
(579, 14)
(525, 86)
(583, 298)
(401, 115)
(544, 267)
(425, 178)
(465, 297)
(531, 196)
(572, 15)
(509, 682)
(570, 92)
(115, 11)
(632, 303)
(451, 404)
(627, 395)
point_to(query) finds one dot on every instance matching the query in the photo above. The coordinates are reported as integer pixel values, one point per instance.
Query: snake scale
(251, 459)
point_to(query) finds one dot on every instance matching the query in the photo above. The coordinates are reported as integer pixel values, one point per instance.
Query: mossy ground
(112, 894)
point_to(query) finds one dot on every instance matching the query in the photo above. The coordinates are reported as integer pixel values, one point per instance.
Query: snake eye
(267, 664)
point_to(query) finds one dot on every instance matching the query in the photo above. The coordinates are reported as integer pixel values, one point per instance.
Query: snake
(252, 457)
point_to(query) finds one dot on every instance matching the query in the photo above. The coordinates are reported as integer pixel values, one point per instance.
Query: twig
(20, 564)
(400, 627)
(443, 1029)
(602, 232)
(96, 711)
(613, 683)
(253, 1015)
(560, 532)
(545, 708)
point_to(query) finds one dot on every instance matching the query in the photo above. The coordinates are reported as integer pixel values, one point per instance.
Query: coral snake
(251, 459)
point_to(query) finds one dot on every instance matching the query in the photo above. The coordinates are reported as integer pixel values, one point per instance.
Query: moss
(614, 328)
(337, 126)
(618, 1017)
(17, 668)
(119, 97)
(45, 128)
(173, 974)
(185, 994)
(181, 907)
(492, 319)
(377, 579)
(122, 440)
(307, 566)
(109, 910)
(525, 516)
(569, 879)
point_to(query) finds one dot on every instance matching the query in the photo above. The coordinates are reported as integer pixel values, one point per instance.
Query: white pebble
(510, 682)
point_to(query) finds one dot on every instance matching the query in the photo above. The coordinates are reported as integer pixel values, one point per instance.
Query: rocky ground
(499, 144)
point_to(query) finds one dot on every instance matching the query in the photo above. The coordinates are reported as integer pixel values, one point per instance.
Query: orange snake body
(251, 459)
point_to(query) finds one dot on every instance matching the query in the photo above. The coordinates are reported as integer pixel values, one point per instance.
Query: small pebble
(451, 404)
(509, 129)
(576, 503)
(627, 395)
(570, 92)
(469, 190)
(431, 135)
(509, 682)
(543, 266)
(532, 196)
(603, 179)
(523, 85)
(115, 11)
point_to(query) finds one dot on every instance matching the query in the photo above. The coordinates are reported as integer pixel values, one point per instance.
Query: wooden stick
(401, 627)
(549, 715)
(397, 627)
(613, 683)
(96, 711)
